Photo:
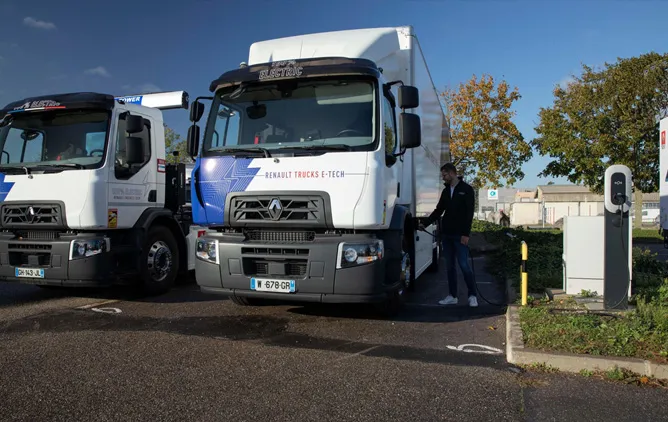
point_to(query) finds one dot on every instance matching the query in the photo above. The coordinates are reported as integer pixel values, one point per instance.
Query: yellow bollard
(523, 273)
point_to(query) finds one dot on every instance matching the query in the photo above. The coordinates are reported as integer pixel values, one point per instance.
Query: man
(456, 204)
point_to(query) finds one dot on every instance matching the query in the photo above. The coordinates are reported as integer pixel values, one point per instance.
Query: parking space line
(95, 305)
(361, 352)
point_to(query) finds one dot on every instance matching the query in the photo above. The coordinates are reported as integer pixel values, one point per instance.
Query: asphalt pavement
(81, 355)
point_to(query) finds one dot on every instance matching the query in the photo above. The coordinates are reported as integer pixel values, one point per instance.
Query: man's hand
(465, 240)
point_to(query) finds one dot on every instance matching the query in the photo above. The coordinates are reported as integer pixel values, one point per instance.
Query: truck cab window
(122, 169)
(23, 146)
(389, 127)
(226, 131)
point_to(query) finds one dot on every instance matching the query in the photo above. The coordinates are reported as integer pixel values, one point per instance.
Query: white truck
(86, 196)
(663, 179)
(312, 170)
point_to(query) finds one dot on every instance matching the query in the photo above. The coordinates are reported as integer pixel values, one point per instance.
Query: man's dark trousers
(454, 251)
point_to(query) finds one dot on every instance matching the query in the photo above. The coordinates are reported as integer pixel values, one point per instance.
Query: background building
(549, 204)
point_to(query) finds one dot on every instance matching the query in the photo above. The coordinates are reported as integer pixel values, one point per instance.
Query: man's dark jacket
(457, 211)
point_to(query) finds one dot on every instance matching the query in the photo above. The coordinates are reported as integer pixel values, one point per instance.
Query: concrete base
(516, 353)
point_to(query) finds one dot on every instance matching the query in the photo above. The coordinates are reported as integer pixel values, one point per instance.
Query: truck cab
(87, 198)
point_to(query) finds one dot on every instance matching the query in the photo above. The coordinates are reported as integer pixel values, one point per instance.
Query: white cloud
(566, 81)
(98, 71)
(35, 23)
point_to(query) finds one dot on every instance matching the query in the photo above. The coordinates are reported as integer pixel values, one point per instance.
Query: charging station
(617, 239)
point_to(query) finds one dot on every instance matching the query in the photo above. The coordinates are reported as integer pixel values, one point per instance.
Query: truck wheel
(159, 261)
(408, 269)
(404, 273)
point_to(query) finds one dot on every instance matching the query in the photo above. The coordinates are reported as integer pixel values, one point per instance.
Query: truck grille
(261, 267)
(42, 215)
(29, 254)
(279, 236)
(282, 262)
(301, 209)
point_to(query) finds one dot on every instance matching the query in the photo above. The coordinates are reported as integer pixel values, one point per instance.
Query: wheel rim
(405, 271)
(159, 260)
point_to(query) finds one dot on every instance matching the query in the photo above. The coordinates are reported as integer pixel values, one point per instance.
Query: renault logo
(275, 208)
(32, 217)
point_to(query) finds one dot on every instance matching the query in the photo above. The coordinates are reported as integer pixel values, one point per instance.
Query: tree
(173, 142)
(607, 116)
(485, 143)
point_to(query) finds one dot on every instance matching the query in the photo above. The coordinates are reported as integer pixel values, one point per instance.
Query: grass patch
(647, 236)
(643, 333)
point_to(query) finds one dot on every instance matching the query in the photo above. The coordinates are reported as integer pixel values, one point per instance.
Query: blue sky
(126, 47)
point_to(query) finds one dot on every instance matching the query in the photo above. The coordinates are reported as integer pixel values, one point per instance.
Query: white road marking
(97, 304)
(464, 348)
(107, 310)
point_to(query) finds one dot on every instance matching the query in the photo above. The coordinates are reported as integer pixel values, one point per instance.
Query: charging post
(617, 242)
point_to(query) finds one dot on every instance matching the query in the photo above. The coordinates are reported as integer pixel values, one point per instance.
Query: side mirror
(196, 111)
(193, 141)
(409, 97)
(134, 124)
(134, 150)
(411, 130)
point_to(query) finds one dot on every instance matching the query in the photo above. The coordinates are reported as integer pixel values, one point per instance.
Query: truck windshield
(293, 114)
(76, 139)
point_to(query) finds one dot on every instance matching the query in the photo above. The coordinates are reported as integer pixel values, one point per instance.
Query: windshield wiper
(73, 165)
(12, 169)
(227, 151)
(332, 147)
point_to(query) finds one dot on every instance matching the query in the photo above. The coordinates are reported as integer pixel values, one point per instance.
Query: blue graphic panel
(5, 187)
(217, 177)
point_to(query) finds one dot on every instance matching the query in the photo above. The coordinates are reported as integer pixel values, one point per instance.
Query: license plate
(278, 286)
(29, 272)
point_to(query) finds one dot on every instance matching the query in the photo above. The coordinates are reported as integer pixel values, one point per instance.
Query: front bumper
(312, 265)
(50, 257)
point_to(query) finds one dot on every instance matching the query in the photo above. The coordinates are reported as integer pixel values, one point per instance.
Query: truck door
(132, 187)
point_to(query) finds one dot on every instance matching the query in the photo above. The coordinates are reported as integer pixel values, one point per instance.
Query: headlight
(207, 250)
(356, 253)
(88, 247)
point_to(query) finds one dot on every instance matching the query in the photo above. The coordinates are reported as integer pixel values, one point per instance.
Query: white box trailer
(305, 189)
(663, 178)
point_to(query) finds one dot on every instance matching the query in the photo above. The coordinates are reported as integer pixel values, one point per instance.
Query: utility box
(584, 254)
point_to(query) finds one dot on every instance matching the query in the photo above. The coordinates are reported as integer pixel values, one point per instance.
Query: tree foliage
(173, 142)
(607, 116)
(485, 143)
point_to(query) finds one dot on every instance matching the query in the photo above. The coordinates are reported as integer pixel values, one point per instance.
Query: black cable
(475, 283)
(626, 253)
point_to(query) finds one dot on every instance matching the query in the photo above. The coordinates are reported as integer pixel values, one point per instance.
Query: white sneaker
(449, 300)
(473, 301)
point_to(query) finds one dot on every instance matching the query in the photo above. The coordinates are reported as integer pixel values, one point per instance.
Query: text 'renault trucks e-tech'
(315, 159)
(87, 198)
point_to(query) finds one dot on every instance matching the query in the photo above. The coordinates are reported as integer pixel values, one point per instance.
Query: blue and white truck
(317, 157)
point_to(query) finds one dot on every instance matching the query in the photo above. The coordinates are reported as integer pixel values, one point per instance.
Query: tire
(404, 275)
(410, 276)
(159, 264)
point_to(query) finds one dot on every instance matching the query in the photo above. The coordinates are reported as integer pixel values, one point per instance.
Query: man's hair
(449, 167)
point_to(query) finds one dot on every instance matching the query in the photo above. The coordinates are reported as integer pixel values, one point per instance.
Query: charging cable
(623, 198)
(475, 283)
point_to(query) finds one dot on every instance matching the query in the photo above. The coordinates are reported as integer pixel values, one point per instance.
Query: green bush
(545, 250)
